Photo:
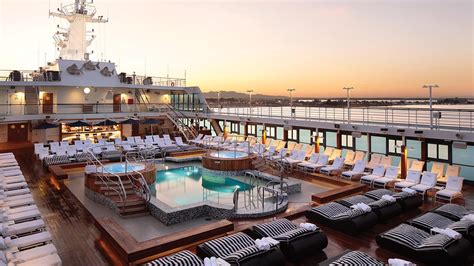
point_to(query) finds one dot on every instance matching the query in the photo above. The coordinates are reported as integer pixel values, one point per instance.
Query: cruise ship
(103, 167)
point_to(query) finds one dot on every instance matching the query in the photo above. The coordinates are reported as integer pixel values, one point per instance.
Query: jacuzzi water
(228, 154)
(188, 185)
(118, 168)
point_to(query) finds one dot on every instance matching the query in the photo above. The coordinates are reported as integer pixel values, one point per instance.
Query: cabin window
(305, 136)
(235, 128)
(251, 130)
(438, 151)
(293, 134)
(271, 132)
(347, 141)
(395, 146)
(279, 133)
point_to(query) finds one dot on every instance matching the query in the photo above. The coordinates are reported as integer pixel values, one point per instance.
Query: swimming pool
(118, 168)
(191, 184)
(228, 154)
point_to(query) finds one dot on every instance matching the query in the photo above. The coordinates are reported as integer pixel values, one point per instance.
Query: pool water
(118, 168)
(190, 184)
(228, 154)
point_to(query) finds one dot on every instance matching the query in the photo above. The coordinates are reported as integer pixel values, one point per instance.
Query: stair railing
(137, 179)
(176, 116)
(104, 175)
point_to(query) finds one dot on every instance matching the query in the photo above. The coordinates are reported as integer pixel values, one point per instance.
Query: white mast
(74, 40)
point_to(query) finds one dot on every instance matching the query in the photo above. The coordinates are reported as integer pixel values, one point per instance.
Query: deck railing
(403, 117)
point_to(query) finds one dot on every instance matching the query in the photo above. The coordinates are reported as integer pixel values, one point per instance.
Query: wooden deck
(79, 241)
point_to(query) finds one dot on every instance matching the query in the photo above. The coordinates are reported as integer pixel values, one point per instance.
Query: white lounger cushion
(28, 240)
(31, 254)
(21, 228)
(15, 192)
(50, 260)
(7, 210)
(17, 202)
(12, 186)
(12, 179)
(27, 215)
(6, 173)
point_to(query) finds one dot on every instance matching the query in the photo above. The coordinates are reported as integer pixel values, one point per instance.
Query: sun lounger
(49, 260)
(452, 190)
(349, 257)
(24, 242)
(385, 209)
(391, 175)
(335, 154)
(313, 159)
(438, 169)
(374, 161)
(314, 167)
(437, 249)
(295, 241)
(30, 254)
(408, 201)
(430, 220)
(21, 216)
(343, 218)
(378, 172)
(356, 172)
(13, 186)
(335, 167)
(349, 157)
(328, 151)
(413, 178)
(11, 172)
(428, 181)
(451, 170)
(184, 257)
(359, 155)
(240, 249)
(8, 211)
(417, 165)
(453, 211)
(386, 160)
(17, 202)
(21, 228)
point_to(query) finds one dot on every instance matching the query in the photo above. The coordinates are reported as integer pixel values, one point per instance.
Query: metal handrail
(177, 120)
(139, 157)
(93, 160)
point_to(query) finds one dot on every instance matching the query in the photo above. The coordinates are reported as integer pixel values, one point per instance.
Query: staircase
(142, 100)
(215, 125)
(180, 120)
(128, 194)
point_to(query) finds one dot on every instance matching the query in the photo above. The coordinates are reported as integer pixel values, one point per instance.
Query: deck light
(87, 90)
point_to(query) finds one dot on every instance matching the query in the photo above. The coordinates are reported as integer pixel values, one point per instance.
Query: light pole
(348, 102)
(291, 100)
(431, 101)
(250, 100)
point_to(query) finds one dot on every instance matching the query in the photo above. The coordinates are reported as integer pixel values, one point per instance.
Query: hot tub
(234, 161)
(228, 154)
(119, 168)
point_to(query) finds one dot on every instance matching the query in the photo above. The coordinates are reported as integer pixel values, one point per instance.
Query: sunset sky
(380, 47)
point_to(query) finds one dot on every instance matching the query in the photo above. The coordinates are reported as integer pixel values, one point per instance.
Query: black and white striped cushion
(330, 210)
(243, 254)
(417, 239)
(349, 214)
(355, 199)
(82, 157)
(356, 258)
(275, 228)
(462, 226)
(403, 195)
(430, 220)
(225, 246)
(56, 159)
(378, 193)
(452, 210)
(183, 258)
(379, 203)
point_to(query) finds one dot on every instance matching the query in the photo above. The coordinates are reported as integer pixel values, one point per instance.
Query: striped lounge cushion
(183, 258)
(356, 258)
(379, 203)
(355, 199)
(81, 157)
(282, 230)
(452, 210)
(378, 193)
(416, 239)
(233, 248)
(462, 226)
(330, 209)
(430, 220)
(56, 159)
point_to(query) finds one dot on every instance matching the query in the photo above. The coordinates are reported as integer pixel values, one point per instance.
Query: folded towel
(271, 241)
(409, 190)
(468, 217)
(309, 226)
(389, 198)
(399, 262)
(213, 261)
(262, 245)
(448, 231)
(207, 262)
(364, 207)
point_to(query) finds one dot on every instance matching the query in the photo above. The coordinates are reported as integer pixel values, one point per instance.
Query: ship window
(279, 133)
(305, 136)
(346, 141)
(271, 132)
(293, 134)
(235, 127)
(438, 151)
(251, 130)
(394, 146)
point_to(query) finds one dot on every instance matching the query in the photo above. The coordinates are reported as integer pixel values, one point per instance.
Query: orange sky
(382, 48)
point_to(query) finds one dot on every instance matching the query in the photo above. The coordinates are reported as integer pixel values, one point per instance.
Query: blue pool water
(192, 184)
(118, 168)
(228, 154)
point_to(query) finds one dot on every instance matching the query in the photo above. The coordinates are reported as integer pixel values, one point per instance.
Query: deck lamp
(87, 90)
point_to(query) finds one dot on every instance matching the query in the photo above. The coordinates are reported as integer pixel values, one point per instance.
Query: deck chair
(335, 154)
(356, 172)
(438, 169)
(358, 155)
(291, 162)
(413, 178)
(386, 160)
(452, 191)
(378, 172)
(280, 156)
(11, 229)
(291, 146)
(328, 151)
(374, 161)
(31, 255)
(270, 152)
(13, 186)
(451, 170)
(198, 137)
(349, 156)
(428, 181)
(391, 174)
(14, 192)
(335, 167)
(21, 216)
(309, 150)
(417, 165)
(281, 145)
(184, 257)
(313, 159)
(27, 241)
(314, 167)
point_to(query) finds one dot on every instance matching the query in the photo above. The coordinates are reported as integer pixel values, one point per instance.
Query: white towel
(309, 226)
(213, 261)
(262, 245)
(207, 262)
(389, 198)
(448, 231)
(399, 262)
(409, 190)
(364, 207)
(271, 241)
(468, 217)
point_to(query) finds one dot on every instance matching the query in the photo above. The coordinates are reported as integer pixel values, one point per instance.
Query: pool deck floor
(74, 232)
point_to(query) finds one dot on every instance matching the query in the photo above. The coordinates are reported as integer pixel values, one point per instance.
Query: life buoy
(172, 84)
